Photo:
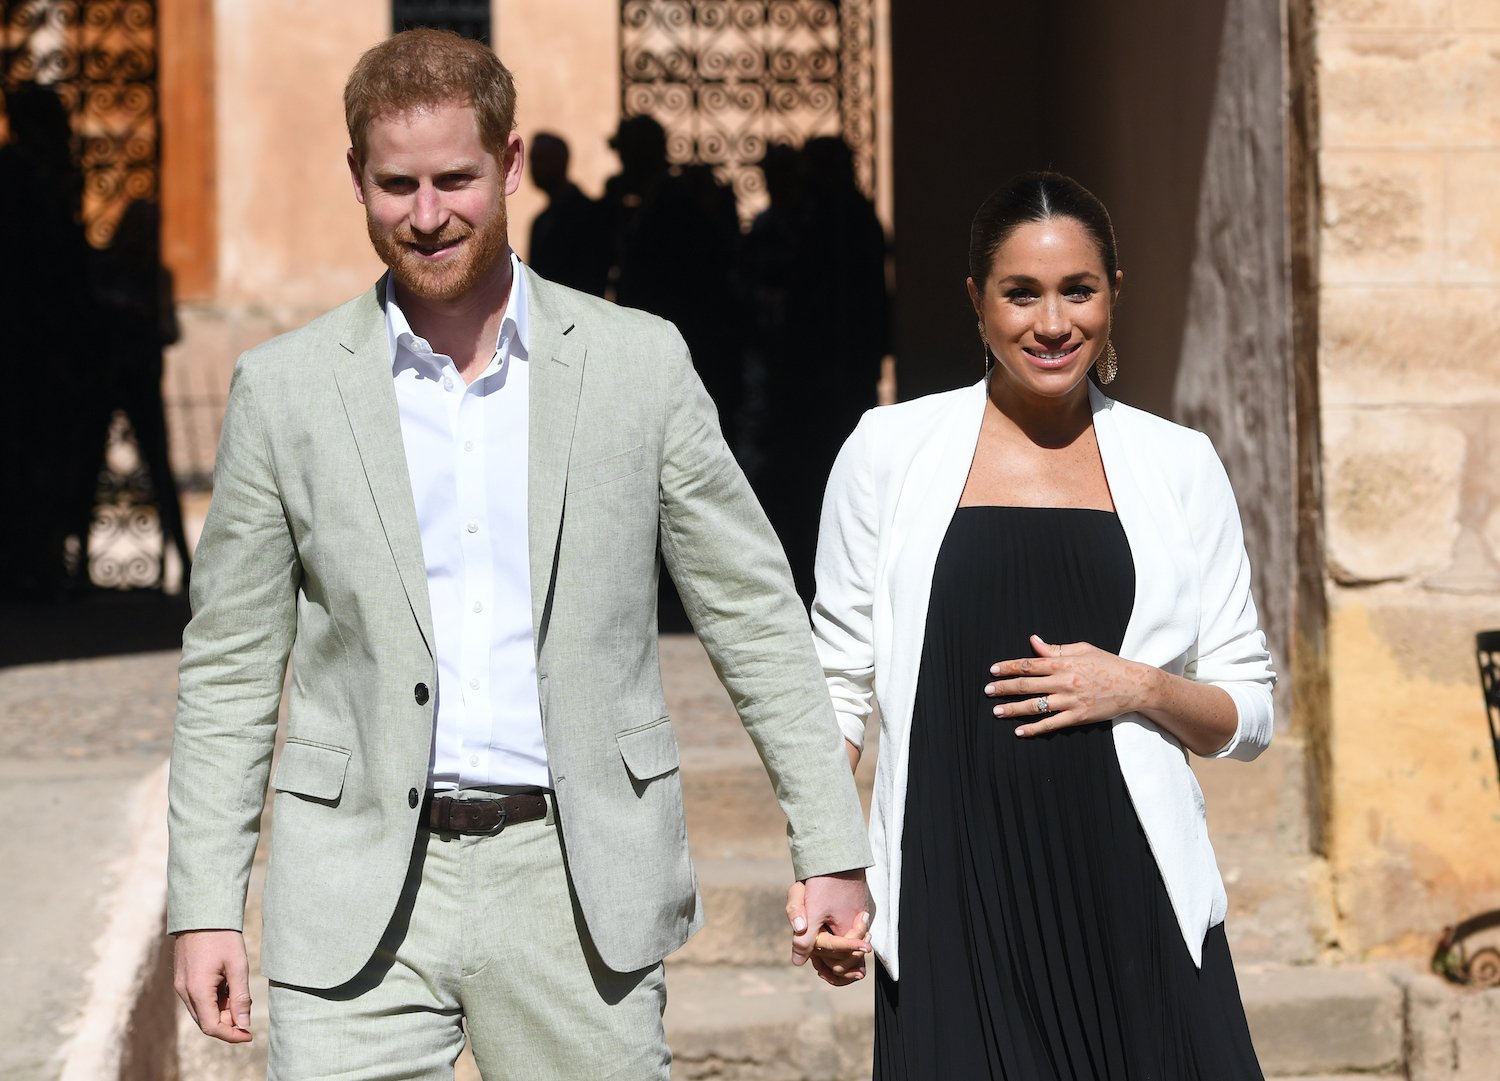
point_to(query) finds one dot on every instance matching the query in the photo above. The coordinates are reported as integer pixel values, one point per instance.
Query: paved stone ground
(77, 738)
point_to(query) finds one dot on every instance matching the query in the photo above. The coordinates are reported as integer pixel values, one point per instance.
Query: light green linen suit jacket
(311, 553)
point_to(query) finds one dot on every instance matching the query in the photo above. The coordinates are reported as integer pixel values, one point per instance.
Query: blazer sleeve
(737, 589)
(1230, 651)
(234, 657)
(843, 609)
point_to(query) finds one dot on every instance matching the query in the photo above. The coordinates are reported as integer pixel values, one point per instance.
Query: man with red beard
(443, 504)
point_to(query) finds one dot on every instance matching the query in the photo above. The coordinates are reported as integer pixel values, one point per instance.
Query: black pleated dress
(1037, 939)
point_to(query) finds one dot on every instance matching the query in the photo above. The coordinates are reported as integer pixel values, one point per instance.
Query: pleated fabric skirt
(1037, 939)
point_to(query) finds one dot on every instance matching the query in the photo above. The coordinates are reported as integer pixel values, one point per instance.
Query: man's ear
(512, 163)
(354, 175)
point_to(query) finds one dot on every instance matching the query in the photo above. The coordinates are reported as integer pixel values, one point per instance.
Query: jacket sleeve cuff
(1252, 704)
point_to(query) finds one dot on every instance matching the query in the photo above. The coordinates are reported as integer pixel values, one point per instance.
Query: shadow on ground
(100, 623)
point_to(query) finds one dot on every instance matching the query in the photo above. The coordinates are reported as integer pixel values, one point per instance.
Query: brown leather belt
(491, 815)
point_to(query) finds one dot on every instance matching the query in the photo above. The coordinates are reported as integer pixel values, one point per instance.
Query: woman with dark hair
(1047, 592)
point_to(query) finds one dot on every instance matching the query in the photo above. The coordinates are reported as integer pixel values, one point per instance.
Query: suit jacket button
(421, 694)
(411, 798)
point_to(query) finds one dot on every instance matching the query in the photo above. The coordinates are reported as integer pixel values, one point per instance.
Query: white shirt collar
(514, 332)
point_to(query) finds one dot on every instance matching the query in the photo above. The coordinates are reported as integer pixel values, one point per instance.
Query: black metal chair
(1451, 959)
(1487, 645)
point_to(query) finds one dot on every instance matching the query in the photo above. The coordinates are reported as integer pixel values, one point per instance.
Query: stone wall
(1409, 359)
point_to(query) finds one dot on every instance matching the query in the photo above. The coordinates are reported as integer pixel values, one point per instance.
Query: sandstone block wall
(1409, 357)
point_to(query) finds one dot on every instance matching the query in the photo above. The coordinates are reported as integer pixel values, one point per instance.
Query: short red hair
(423, 69)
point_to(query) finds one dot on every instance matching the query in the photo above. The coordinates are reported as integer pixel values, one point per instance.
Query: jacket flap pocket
(603, 470)
(311, 769)
(650, 751)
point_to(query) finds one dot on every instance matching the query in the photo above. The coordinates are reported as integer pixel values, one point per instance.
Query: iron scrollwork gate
(725, 77)
(99, 59)
(471, 18)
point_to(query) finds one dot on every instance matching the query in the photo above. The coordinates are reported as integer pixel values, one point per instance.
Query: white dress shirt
(466, 455)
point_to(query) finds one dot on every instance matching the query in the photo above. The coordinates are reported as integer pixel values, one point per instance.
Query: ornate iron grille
(724, 77)
(126, 542)
(471, 18)
(100, 57)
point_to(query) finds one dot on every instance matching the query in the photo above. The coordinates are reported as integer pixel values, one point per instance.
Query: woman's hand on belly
(1077, 683)
(1066, 685)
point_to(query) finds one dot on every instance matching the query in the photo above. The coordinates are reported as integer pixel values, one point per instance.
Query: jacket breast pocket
(604, 470)
(314, 770)
(649, 751)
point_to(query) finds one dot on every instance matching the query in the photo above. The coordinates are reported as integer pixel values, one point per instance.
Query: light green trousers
(487, 933)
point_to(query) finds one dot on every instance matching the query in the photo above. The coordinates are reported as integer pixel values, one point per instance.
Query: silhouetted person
(570, 240)
(641, 145)
(45, 309)
(823, 261)
(677, 234)
(768, 272)
(136, 303)
(847, 323)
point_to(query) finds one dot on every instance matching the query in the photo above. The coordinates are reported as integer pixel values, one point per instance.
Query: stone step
(1307, 1019)
(1280, 906)
(782, 1024)
(766, 1024)
(1273, 909)
(745, 913)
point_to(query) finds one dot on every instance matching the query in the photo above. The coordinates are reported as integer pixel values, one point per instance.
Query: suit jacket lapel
(557, 356)
(363, 373)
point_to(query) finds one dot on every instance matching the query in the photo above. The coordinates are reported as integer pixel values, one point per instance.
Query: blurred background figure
(768, 269)
(570, 239)
(50, 353)
(136, 305)
(676, 237)
(815, 266)
(846, 317)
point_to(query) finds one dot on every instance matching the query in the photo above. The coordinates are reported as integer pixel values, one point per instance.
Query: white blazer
(890, 497)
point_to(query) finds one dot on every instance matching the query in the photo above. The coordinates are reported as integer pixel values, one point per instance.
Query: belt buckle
(499, 821)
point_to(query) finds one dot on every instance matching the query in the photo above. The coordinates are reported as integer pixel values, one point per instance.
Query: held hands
(1068, 685)
(212, 977)
(836, 937)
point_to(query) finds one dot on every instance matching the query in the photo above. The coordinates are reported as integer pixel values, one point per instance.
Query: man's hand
(838, 906)
(212, 977)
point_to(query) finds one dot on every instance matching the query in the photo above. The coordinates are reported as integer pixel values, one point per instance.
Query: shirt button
(468, 444)
(447, 383)
(473, 760)
(420, 694)
(478, 607)
(472, 527)
(411, 798)
(474, 683)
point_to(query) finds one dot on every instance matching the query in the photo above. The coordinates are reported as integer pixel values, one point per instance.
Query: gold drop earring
(1108, 364)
